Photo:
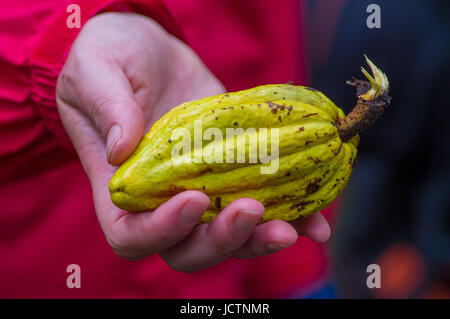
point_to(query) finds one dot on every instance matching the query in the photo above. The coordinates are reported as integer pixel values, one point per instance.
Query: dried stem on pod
(373, 99)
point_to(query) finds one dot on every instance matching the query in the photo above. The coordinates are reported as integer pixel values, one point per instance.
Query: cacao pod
(316, 150)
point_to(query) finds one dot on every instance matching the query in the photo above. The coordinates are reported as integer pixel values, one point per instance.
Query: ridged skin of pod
(313, 168)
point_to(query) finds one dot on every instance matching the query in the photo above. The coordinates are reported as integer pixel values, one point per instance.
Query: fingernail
(188, 215)
(245, 221)
(276, 246)
(114, 135)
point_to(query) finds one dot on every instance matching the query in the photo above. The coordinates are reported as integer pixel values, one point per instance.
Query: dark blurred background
(395, 210)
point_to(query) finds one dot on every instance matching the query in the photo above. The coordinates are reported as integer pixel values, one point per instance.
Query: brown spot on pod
(312, 188)
(218, 202)
(301, 206)
(289, 109)
(272, 200)
(314, 159)
(172, 189)
(339, 150)
(275, 107)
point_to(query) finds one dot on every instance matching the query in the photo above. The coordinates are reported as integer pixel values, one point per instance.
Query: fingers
(268, 238)
(235, 233)
(103, 93)
(277, 234)
(210, 244)
(315, 227)
(135, 236)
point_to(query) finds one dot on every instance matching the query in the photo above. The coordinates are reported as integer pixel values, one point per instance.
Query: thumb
(120, 120)
(110, 104)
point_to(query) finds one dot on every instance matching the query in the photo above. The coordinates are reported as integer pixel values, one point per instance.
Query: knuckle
(63, 81)
(164, 239)
(124, 250)
(223, 241)
(224, 246)
(117, 246)
(98, 104)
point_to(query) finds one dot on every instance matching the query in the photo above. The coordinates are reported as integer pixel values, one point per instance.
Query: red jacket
(47, 218)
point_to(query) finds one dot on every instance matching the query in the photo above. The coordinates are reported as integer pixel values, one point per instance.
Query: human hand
(123, 73)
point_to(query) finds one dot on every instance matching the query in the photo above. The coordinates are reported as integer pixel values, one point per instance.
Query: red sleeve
(53, 45)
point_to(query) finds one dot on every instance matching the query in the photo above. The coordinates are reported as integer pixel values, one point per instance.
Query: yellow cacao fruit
(316, 150)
